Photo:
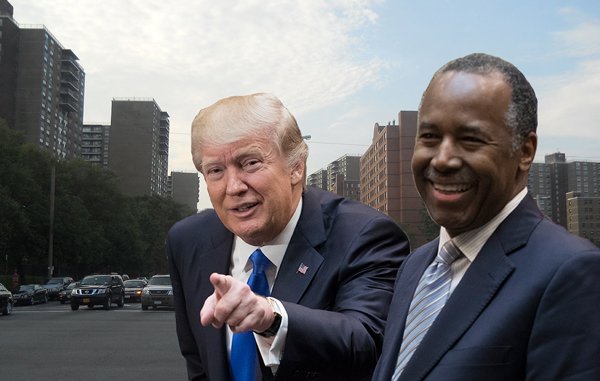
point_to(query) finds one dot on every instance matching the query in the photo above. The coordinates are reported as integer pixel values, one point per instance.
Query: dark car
(6, 300)
(158, 292)
(65, 295)
(30, 294)
(133, 289)
(95, 290)
(55, 285)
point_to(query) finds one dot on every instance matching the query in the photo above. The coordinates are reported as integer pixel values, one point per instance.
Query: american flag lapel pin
(302, 269)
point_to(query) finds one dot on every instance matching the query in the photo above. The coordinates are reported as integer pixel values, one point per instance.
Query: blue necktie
(243, 358)
(430, 297)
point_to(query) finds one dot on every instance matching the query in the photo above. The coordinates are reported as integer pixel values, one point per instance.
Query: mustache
(462, 175)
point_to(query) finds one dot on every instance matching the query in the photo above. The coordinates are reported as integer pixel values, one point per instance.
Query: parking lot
(51, 342)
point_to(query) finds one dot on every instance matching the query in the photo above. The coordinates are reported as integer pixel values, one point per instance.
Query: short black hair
(522, 112)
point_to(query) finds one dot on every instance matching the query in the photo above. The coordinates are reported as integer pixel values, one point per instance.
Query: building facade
(184, 187)
(318, 179)
(583, 214)
(343, 177)
(549, 183)
(94, 144)
(46, 100)
(139, 146)
(386, 177)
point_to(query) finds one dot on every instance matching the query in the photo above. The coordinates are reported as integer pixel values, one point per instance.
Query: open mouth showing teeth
(451, 188)
(243, 208)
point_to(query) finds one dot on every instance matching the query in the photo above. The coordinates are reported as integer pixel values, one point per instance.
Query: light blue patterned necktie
(430, 297)
(243, 357)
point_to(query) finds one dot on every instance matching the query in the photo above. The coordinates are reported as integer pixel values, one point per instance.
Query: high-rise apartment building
(343, 177)
(139, 146)
(386, 177)
(318, 179)
(583, 214)
(550, 181)
(42, 86)
(184, 187)
(94, 144)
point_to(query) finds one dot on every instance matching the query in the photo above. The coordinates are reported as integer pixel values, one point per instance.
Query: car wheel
(121, 301)
(7, 310)
(74, 307)
(144, 307)
(107, 303)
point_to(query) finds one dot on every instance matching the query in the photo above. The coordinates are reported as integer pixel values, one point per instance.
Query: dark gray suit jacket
(337, 310)
(528, 308)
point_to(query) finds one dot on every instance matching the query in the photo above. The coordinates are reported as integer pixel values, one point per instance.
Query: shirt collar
(471, 242)
(274, 250)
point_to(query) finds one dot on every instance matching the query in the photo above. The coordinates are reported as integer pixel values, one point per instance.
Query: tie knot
(448, 253)
(259, 262)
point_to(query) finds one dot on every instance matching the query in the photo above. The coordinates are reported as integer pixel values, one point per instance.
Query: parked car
(6, 300)
(158, 292)
(133, 289)
(30, 294)
(55, 285)
(65, 295)
(94, 290)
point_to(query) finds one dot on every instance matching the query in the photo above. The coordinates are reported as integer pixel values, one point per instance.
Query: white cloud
(569, 104)
(189, 54)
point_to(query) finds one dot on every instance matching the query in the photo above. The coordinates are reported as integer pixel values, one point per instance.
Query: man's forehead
(237, 149)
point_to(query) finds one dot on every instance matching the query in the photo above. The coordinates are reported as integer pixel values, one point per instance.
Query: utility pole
(51, 233)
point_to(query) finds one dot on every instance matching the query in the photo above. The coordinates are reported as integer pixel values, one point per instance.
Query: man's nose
(447, 156)
(235, 183)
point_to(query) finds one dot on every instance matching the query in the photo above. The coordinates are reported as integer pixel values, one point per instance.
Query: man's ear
(527, 151)
(297, 173)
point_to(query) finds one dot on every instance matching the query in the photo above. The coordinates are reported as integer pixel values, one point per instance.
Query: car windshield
(160, 281)
(134, 283)
(53, 281)
(26, 287)
(95, 281)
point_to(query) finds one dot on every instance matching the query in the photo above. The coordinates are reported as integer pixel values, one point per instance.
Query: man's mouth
(245, 207)
(451, 188)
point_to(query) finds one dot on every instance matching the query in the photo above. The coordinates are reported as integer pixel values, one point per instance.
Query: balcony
(68, 105)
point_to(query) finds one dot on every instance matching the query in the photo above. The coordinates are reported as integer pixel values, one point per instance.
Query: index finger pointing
(222, 283)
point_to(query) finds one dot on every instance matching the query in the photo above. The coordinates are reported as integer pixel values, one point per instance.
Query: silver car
(158, 293)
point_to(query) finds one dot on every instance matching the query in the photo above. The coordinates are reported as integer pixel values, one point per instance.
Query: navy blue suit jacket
(337, 310)
(528, 308)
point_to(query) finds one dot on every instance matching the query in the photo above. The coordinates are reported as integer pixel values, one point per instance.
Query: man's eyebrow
(475, 130)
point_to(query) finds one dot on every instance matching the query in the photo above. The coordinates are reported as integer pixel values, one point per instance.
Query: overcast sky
(339, 66)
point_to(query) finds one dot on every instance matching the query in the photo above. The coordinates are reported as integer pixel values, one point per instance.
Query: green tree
(428, 227)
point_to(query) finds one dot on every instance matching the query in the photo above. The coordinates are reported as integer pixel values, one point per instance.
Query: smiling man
(504, 293)
(279, 281)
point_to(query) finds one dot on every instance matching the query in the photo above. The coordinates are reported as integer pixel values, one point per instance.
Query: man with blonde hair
(280, 280)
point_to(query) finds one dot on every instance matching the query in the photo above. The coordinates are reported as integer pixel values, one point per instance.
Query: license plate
(127, 296)
(157, 302)
(86, 300)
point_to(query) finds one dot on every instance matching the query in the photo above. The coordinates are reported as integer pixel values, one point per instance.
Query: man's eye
(472, 139)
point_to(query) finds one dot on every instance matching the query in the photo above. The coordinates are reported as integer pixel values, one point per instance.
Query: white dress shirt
(471, 242)
(241, 267)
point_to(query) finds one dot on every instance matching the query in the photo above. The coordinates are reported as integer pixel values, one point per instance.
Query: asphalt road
(51, 342)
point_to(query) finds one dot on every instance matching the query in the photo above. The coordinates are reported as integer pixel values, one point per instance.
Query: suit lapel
(487, 273)
(410, 273)
(291, 283)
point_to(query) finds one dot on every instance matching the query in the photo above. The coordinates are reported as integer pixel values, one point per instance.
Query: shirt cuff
(271, 348)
